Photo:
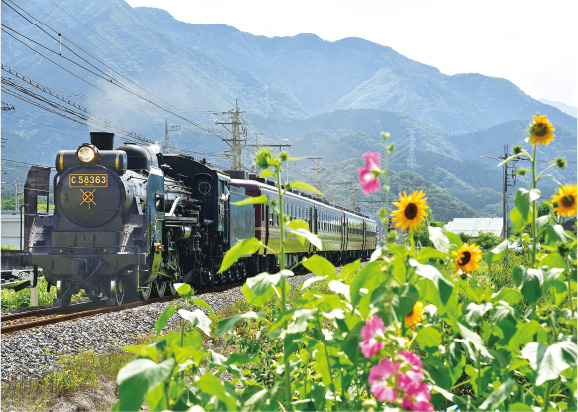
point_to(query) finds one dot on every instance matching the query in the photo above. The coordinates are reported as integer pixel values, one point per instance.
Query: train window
(270, 216)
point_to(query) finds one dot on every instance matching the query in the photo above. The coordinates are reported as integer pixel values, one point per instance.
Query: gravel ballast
(35, 352)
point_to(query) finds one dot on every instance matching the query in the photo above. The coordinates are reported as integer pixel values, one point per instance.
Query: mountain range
(136, 67)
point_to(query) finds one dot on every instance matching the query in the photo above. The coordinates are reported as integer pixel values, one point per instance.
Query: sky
(529, 42)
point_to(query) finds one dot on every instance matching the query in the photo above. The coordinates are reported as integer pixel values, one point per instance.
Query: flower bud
(517, 149)
(560, 162)
(262, 161)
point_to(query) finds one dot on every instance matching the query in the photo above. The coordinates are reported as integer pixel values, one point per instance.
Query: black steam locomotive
(130, 219)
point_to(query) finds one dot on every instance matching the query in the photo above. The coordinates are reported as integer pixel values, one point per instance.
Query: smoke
(155, 147)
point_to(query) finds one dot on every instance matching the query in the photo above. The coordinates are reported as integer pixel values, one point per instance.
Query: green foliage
(9, 204)
(487, 240)
(465, 238)
(62, 381)
(505, 333)
(11, 299)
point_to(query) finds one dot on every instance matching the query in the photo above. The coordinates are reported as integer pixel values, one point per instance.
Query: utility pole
(173, 128)
(257, 139)
(508, 180)
(259, 146)
(237, 130)
(317, 170)
(352, 189)
(17, 191)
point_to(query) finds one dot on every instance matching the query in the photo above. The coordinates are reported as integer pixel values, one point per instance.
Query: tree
(487, 240)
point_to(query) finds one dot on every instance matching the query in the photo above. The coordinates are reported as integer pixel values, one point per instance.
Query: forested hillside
(106, 66)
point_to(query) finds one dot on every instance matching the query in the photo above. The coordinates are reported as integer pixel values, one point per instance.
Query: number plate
(81, 180)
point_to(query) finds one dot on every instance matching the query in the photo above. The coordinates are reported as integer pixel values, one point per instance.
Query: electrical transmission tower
(238, 131)
(411, 162)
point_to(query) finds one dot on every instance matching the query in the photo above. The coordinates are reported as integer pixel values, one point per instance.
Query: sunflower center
(540, 129)
(410, 211)
(467, 256)
(568, 201)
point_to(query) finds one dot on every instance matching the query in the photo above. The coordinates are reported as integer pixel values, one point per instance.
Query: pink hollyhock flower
(372, 160)
(381, 379)
(412, 358)
(417, 398)
(372, 327)
(370, 346)
(413, 376)
(368, 182)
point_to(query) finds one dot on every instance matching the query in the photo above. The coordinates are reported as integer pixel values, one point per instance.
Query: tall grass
(12, 299)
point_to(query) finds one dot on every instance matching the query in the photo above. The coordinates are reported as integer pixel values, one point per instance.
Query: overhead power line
(80, 115)
(94, 70)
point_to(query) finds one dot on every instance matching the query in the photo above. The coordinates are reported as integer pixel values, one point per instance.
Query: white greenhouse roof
(473, 227)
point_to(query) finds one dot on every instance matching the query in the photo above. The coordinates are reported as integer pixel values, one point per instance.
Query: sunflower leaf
(444, 286)
(439, 238)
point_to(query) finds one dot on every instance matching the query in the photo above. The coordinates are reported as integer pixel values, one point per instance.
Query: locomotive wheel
(63, 292)
(119, 290)
(160, 287)
(146, 292)
(172, 288)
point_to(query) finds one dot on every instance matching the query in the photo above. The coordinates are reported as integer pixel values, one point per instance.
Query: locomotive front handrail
(24, 206)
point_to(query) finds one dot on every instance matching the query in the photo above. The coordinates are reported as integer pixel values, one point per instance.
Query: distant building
(11, 228)
(473, 226)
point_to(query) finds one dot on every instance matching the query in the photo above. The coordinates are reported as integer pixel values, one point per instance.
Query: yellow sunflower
(541, 131)
(412, 210)
(416, 314)
(467, 258)
(564, 201)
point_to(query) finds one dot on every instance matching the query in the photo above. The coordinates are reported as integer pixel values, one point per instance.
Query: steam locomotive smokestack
(102, 140)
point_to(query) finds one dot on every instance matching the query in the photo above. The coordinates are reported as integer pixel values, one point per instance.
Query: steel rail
(50, 320)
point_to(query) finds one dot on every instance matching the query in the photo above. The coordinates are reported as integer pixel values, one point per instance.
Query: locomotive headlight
(87, 153)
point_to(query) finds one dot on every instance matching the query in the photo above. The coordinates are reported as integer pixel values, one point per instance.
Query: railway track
(33, 319)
